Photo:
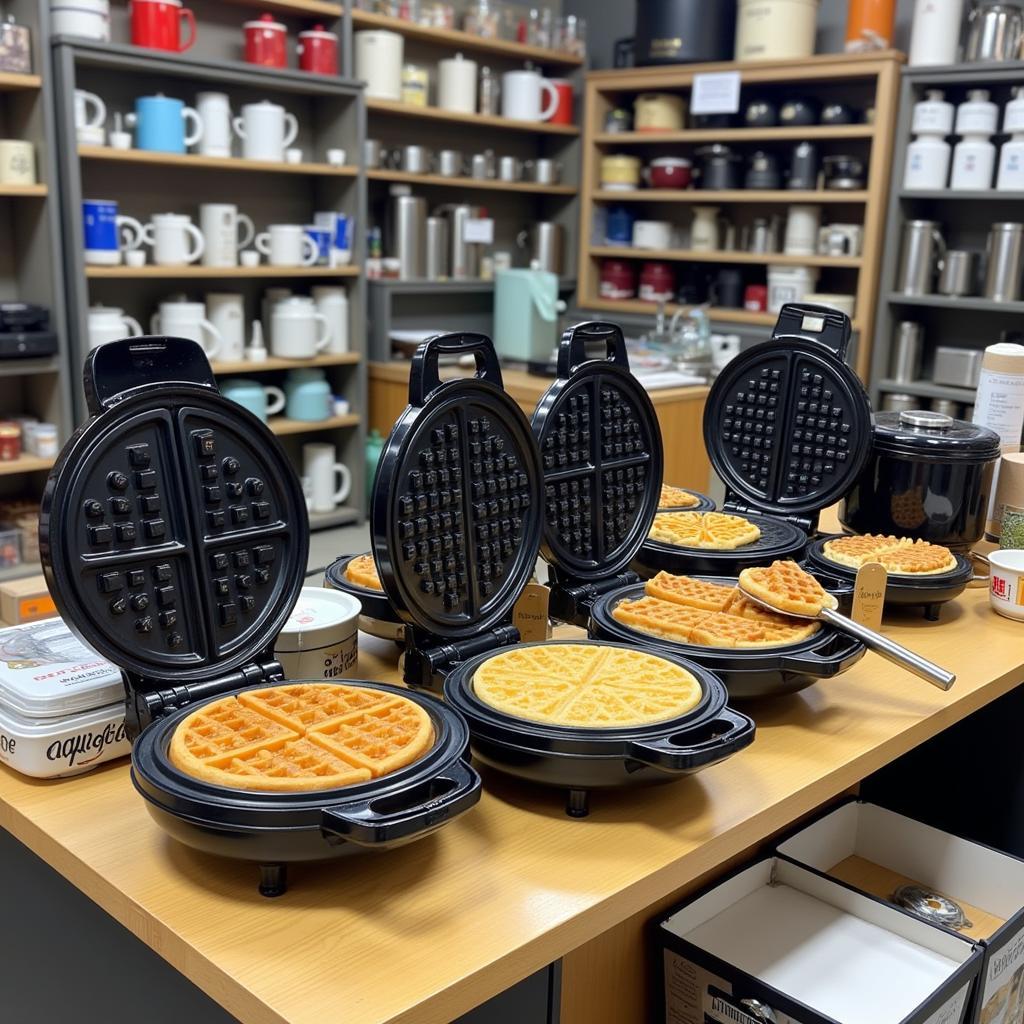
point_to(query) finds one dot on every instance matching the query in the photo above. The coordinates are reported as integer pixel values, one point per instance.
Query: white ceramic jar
(89, 19)
(974, 156)
(379, 55)
(456, 84)
(108, 323)
(928, 156)
(776, 29)
(320, 638)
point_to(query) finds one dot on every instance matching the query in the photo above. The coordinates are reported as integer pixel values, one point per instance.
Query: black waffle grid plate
(601, 455)
(173, 531)
(456, 512)
(788, 423)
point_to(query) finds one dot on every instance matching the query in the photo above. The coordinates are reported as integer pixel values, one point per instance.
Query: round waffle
(685, 590)
(715, 530)
(362, 571)
(301, 737)
(786, 588)
(676, 497)
(586, 686)
(899, 555)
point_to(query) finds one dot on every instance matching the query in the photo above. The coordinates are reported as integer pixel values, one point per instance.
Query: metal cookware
(451, 163)
(956, 276)
(407, 233)
(481, 165)
(464, 257)
(545, 243)
(438, 249)
(510, 168)
(377, 617)
(922, 252)
(1005, 262)
(845, 173)
(543, 171)
(720, 168)
(414, 159)
(907, 346)
(994, 31)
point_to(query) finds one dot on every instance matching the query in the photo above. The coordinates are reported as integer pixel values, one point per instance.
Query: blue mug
(619, 226)
(101, 228)
(159, 123)
(339, 225)
(308, 395)
(261, 401)
(322, 240)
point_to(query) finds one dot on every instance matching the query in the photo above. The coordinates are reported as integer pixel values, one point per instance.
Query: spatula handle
(891, 650)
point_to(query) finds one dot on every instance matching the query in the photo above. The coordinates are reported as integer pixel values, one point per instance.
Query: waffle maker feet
(931, 612)
(577, 804)
(273, 879)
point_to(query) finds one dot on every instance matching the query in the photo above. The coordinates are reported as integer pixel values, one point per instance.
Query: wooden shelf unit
(462, 182)
(724, 256)
(281, 425)
(379, 106)
(23, 191)
(272, 363)
(873, 78)
(26, 464)
(11, 81)
(299, 8)
(225, 163)
(197, 271)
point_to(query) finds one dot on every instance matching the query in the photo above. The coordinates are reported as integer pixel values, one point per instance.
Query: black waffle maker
(788, 429)
(377, 618)
(457, 519)
(174, 538)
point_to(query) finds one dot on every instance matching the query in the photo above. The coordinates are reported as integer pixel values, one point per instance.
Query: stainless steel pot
(545, 242)
(544, 171)
(464, 262)
(510, 168)
(450, 163)
(415, 159)
(482, 165)
(994, 31)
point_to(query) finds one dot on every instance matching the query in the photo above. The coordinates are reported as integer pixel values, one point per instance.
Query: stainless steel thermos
(1005, 262)
(921, 253)
(907, 345)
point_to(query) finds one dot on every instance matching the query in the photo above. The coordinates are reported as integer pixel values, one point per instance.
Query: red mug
(318, 51)
(266, 42)
(157, 24)
(755, 298)
(563, 108)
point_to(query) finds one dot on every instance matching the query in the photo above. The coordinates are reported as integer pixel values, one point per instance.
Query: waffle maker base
(747, 673)
(377, 618)
(779, 539)
(927, 592)
(581, 760)
(275, 829)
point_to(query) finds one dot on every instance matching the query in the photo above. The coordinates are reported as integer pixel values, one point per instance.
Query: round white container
(789, 284)
(320, 640)
(935, 36)
(1006, 583)
(456, 84)
(652, 234)
(379, 59)
(776, 29)
(89, 19)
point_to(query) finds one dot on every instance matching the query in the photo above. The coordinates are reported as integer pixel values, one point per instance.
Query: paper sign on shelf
(479, 229)
(869, 595)
(717, 93)
(530, 615)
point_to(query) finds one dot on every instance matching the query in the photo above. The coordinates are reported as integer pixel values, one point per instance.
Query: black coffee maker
(25, 331)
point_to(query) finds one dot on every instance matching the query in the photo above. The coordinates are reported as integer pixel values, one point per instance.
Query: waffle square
(301, 737)
(685, 590)
(714, 530)
(362, 571)
(655, 617)
(787, 588)
(723, 630)
(676, 497)
(900, 555)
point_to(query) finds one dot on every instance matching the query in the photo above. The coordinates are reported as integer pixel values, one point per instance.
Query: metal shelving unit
(969, 322)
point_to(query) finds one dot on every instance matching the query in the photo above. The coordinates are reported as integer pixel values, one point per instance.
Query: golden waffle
(900, 555)
(660, 618)
(362, 571)
(855, 551)
(685, 590)
(715, 530)
(741, 606)
(676, 497)
(301, 737)
(786, 588)
(586, 686)
(720, 629)
(907, 509)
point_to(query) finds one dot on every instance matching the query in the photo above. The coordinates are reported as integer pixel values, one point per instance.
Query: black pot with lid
(683, 32)
(720, 168)
(174, 538)
(929, 477)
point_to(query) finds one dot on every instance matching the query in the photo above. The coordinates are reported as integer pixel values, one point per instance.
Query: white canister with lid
(1011, 157)
(935, 37)
(789, 284)
(89, 19)
(776, 29)
(974, 158)
(929, 154)
(456, 84)
(320, 638)
(379, 56)
(61, 704)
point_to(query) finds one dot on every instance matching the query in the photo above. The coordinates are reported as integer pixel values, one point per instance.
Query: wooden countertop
(523, 386)
(421, 934)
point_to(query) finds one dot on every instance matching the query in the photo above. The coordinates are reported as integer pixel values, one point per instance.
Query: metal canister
(920, 253)
(407, 240)
(450, 163)
(545, 241)
(957, 275)
(437, 248)
(907, 345)
(465, 256)
(487, 92)
(1005, 262)
(947, 407)
(899, 402)
(994, 31)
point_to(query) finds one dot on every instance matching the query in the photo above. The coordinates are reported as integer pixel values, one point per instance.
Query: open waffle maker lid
(601, 454)
(787, 424)
(173, 530)
(456, 511)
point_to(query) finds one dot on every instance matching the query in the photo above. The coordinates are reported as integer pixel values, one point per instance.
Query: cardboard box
(873, 850)
(25, 600)
(779, 942)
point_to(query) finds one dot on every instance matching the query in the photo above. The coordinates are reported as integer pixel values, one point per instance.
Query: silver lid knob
(926, 419)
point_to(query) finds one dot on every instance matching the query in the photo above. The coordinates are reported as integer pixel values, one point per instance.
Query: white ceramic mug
(456, 84)
(1006, 582)
(521, 93)
(89, 19)
(332, 302)
(652, 234)
(329, 481)
(84, 102)
(219, 223)
(214, 109)
(169, 234)
(178, 318)
(266, 130)
(108, 323)
(297, 329)
(287, 245)
(226, 311)
(17, 162)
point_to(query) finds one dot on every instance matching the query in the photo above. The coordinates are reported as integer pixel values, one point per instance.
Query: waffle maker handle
(821, 325)
(415, 811)
(423, 374)
(718, 739)
(118, 366)
(837, 658)
(572, 352)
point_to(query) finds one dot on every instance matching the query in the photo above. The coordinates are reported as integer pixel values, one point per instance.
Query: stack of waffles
(900, 555)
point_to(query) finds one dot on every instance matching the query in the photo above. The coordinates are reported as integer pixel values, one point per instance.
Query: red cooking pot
(669, 172)
(266, 42)
(618, 280)
(318, 51)
(157, 24)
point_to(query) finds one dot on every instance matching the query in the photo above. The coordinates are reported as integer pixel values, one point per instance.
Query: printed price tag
(717, 93)
(530, 615)
(869, 595)
(479, 229)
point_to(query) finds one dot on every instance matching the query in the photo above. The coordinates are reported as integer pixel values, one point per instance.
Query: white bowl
(1006, 583)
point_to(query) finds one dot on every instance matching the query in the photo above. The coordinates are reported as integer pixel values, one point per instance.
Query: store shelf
(12, 81)
(15, 191)
(377, 106)
(217, 273)
(455, 286)
(696, 195)
(927, 389)
(225, 163)
(25, 464)
(342, 516)
(464, 41)
(493, 185)
(725, 256)
(989, 195)
(313, 8)
(281, 425)
(221, 366)
(973, 304)
(808, 133)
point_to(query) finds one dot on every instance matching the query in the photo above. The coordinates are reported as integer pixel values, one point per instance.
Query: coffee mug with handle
(179, 318)
(298, 330)
(160, 124)
(287, 245)
(169, 234)
(521, 93)
(101, 229)
(84, 102)
(108, 323)
(262, 400)
(157, 24)
(329, 481)
(219, 224)
(266, 130)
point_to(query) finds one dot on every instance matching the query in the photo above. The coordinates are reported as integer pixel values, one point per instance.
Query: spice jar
(10, 441)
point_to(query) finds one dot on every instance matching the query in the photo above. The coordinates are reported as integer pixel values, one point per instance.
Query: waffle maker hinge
(144, 707)
(572, 599)
(427, 663)
(809, 524)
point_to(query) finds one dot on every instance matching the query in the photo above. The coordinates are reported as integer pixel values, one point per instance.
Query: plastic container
(320, 638)
(869, 25)
(974, 157)
(789, 284)
(618, 280)
(928, 156)
(1011, 157)
(776, 29)
(10, 442)
(657, 282)
(61, 704)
